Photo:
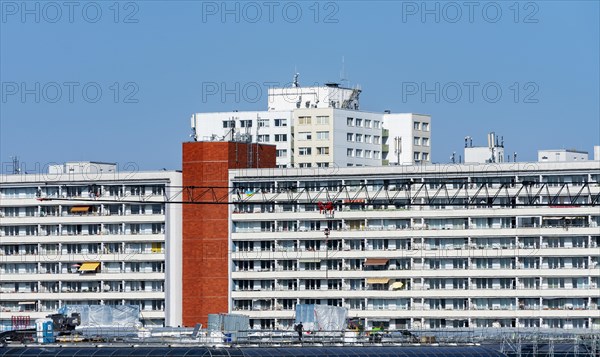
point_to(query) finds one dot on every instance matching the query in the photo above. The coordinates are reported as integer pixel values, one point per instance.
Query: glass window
(322, 120)
(323, 151)
(322, 135)
(228, 123)
(417, 125)
(350, 121)
(246, 123)
(304, 121)
(358, 122)
(425, 127)
(305, 135)
(263, 123)
(350, 152)
(262, 138)
(280, 122)
(281, 153)
(350, 137)
(280, 137)
(303, 151)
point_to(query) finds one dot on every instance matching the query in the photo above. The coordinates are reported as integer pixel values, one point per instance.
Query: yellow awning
(79, 209)
(89, 266)
(376, 261)
(377, 280)
(397, 285)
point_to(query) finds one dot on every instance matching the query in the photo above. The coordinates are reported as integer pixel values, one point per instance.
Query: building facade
(323, 127)
(420, 247)
(85, 233)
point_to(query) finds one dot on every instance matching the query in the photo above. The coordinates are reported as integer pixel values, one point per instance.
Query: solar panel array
(423, 351)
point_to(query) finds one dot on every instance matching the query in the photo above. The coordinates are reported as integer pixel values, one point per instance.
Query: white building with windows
(420, 247)
(85, 233)
(323, 127)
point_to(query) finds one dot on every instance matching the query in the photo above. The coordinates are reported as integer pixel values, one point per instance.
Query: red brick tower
(205, 251)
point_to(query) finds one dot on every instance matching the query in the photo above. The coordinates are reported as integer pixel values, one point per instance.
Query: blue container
(48, 332)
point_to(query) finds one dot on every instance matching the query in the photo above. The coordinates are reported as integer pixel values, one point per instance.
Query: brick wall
(205, 280)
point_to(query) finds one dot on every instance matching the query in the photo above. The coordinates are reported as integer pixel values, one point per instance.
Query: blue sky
(152, 59)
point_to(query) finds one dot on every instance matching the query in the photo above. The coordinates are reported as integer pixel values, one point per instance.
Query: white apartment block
(323, 127)
(420, 247)
(85, 233)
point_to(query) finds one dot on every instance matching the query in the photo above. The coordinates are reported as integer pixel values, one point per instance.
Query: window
(304, 121)
(417, 125)
(359, 138)
(425, 127)
(368, 139)
(322, 164)
(350, 152)
(281, 153)
(280, 137)
(417, 156)
(323, 151)
(280, 122)
(425, 156)
(350, 121)
(358, 153)
(425, 142)
(322, 120)
(367, 123)
(322, 135)
(376, 139)
(228, 123)
(350, 137)
(263, 123)
(304, 164)
(368, 154)
(246, 123)
(417, 140)
(376, 124)
(305, 135)
(376, 155)
(358, 122)
(263, 138)
(303, 151)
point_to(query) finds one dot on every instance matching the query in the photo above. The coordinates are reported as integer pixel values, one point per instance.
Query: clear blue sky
(160, 53)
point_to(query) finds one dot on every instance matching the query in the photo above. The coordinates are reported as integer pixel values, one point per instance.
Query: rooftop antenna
(295, 82)
(16, 166)
(343, 73)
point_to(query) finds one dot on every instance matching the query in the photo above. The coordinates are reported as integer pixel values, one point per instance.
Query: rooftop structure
(562, 155)
(492, 153)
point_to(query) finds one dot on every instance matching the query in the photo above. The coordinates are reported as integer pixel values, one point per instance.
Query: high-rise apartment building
(435, 246)
(85, 233)
(322, 126)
